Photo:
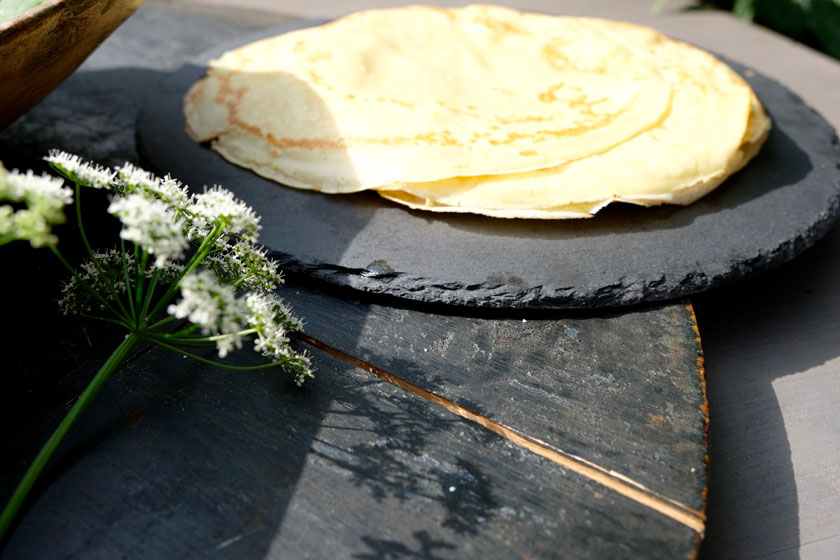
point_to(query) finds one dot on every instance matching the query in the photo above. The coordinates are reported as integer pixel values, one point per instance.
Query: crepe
(635, 172)
(481, 109)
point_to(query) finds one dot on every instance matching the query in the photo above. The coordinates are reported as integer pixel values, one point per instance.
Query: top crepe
(450, 108)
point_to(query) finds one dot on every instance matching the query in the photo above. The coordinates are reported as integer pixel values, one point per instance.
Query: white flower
(273, 320)
(45, 198)
(26, 225)
(157, 215)
(219, 206)
(78, 171)
(103, 277)
(247, 267)
(132, 179)
(151, 224)
(174, 193)
(214, 307)
(30, 187)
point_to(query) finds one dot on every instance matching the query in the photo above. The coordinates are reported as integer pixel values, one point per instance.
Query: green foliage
(202, 246)
(813, 22)
(824, 23)
(785, 16)
(744, 9)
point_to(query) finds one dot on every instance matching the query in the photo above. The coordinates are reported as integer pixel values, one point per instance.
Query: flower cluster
(203, 246)
(273, 320)
(200, 246)
(43, 199)
(217, 207)
(79, 171)
(246, 266)
(96, 284)
(151, 224)
(214, 307)
(133, 180)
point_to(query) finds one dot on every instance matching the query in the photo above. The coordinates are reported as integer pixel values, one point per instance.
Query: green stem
(188, 329)
(117, 322)
(203, 250)
(157, 340)
(91, 254)
(140, 275)
(214, 338)
(46, 452)
(180, 338)
(166, 320)
(203, 344)
(150, 290)
(127, 280)
(80, 223)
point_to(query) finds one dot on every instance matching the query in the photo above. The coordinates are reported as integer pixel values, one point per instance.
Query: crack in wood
(609, 479)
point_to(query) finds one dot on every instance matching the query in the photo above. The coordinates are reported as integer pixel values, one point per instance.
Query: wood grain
(41, 48)
(609, 479)
(608, 388)
(179, 460)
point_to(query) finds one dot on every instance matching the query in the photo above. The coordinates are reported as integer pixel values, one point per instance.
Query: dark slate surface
(179, 460)
(612, 389)
(784, 201)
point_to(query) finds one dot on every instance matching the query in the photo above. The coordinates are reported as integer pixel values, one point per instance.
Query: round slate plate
(772, 210)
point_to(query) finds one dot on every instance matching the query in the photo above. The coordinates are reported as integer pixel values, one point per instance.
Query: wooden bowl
(41, 47)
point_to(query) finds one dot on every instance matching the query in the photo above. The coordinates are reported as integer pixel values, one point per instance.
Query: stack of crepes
(481, 109)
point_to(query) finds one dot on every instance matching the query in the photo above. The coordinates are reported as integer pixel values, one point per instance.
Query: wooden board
(623, 390)
(486, 438)
(425, 434)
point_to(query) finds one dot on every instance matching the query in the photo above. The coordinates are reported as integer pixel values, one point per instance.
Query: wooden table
(427, 433)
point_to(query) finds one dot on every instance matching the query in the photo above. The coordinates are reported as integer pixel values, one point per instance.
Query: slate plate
(776, 207)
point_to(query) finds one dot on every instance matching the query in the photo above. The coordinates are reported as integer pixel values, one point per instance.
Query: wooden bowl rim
(29, 19)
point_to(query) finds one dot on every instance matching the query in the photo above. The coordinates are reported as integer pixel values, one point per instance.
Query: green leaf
(824, 23)
(784, 16)
(657, 6)
(744, 9)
